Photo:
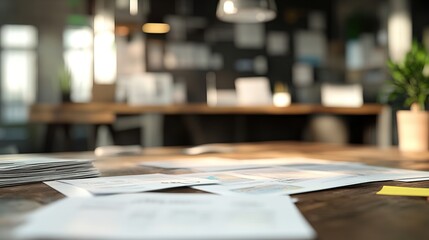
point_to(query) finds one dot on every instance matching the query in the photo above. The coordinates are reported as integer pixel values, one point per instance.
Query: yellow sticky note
(404, 191)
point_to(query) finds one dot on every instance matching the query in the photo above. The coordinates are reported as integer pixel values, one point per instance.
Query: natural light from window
(78, 58)
(18, 71)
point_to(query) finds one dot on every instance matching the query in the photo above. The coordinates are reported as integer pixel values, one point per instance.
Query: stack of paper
(21, 171)
(168, 216)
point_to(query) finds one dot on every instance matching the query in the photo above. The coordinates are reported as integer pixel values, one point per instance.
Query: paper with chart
(135, 183)
(168, 216)
(300, 178)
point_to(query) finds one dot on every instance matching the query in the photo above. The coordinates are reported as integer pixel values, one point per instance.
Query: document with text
(168, 216)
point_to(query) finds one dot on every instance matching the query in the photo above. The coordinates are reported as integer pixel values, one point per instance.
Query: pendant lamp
(246, 11)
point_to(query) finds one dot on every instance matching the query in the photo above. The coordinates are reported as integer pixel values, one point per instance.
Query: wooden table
(152, 116)
(353, 212)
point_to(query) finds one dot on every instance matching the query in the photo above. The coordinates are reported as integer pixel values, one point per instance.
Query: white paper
(150, 89)
(342, 95)
(135, 183)
(38, 169)
(268, 181)
(207, 164)
(213, 164)
(253, 91)
(413, 179)
(68, 190)
(168, 216)
(301, 178)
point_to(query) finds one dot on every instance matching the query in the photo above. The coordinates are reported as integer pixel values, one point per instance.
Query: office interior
(180, 53)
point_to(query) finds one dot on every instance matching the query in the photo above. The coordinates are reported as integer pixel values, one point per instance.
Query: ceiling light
(156, 28)
(246, 11)
(134, 7)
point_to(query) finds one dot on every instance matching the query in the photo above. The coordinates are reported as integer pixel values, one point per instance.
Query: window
(18, 71)
(78, 58)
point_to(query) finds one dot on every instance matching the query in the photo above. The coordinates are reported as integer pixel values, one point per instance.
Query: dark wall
(292, 16)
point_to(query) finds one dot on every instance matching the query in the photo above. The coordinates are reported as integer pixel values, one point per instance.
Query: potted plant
(410, 78)
(65, 78)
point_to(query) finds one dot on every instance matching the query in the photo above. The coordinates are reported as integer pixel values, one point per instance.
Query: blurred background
(153, 52)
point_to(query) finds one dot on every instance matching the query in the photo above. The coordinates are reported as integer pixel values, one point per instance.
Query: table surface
(49, 112)
(353, 212)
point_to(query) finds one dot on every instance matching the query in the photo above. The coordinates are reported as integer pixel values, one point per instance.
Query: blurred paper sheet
(253, 91)
(168, 216)
(413, 179)
(207, 164)
(150, 89)
(300, 178)
(135, 183)
(68, 190)
(342, 95)
(214, 164)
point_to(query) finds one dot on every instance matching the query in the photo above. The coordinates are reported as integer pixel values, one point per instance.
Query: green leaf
(408, 77)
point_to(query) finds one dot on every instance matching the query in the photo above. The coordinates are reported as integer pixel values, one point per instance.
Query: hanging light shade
(246, 11)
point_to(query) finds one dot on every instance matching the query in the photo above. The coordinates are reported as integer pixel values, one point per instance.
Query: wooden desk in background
(152, 116)
(353, 212)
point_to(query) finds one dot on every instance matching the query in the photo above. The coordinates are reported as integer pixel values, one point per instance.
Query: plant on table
(410, 77)
(65, 79)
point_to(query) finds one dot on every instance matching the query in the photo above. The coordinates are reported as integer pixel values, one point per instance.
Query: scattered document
(214, 164)
(168, 216)
(413, 179)
(294, 178)
(208, 164)
(28, 170)
(135, 183)
(404, 191)
(270, 181)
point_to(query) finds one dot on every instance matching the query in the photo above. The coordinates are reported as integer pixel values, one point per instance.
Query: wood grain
(121, 108)
(353, 212)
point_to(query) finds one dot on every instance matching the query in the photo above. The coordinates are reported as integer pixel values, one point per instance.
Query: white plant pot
(413, 130)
